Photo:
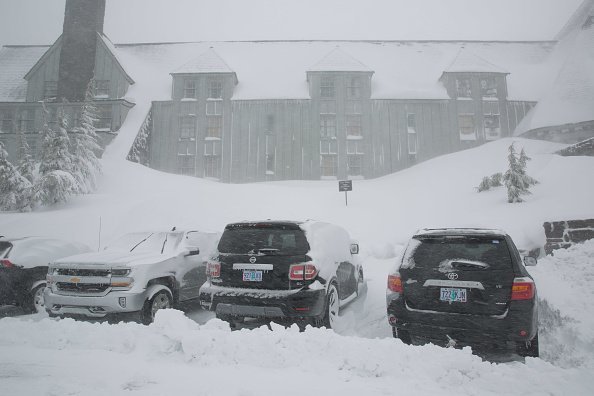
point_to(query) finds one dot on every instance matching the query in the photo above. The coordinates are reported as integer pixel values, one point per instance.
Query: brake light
(213, 269)
(395, 283)
(522, 289)
(299, 272)
(6, 263)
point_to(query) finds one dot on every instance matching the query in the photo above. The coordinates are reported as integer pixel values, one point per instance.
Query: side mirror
(529, 261)
(354, 248)
(192, 251)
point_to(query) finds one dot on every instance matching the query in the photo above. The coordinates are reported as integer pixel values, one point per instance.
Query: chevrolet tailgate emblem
(75, 280)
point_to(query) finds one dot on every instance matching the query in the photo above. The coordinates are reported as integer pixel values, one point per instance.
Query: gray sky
(40, 21)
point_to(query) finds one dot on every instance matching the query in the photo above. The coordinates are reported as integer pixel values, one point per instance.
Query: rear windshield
(4, 247)
(271, 240)
(447, 254)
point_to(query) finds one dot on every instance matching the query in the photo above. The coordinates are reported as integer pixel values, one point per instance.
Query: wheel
(332, 307)
(529, 348)
(404, 335)
(161, 300)
(35, 301)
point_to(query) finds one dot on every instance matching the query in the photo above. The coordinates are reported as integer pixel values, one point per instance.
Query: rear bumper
(257, 303)
(520, 317)
(115, 302)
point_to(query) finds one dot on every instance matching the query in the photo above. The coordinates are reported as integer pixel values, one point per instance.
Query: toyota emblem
(252, 259)
(452, 276)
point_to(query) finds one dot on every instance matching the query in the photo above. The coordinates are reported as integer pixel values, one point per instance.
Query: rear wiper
(267, 251)
(473, 264)
(135, 246)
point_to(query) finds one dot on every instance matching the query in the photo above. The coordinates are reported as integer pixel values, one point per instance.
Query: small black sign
(345, 185)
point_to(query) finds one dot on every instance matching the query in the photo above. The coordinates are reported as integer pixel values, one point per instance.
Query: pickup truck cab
(138, 274)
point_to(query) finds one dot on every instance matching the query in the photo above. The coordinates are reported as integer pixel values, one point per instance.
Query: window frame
(50, 86)
(354, 87)
(333, 166)
(215, 89)
(190, 89)
(214, 123)
(102, 88)
(463, 135)
(327, 87)
(327, 128)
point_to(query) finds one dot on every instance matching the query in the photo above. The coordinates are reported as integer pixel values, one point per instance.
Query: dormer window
(215, 90)
(102, 88)
(190, 89)
(463, 88)
(488, 87)
(50, 90)
(327, 87)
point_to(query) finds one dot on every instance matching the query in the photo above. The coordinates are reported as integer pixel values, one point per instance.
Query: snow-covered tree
(15, 190)
(139, 151)
(85, 164)
(515, 179)
(26, 164)
(55, 182)
(490, 181)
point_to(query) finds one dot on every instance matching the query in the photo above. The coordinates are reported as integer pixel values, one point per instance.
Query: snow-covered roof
(467, 61)
(569, 96)
(208, 62)
(338, 60)
(114, 52)
(459, 231)
(277, 69)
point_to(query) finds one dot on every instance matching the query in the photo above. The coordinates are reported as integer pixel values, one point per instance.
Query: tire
(34, 303)
(528, 349)
(161, 300)
(332, 307)
(403, 335)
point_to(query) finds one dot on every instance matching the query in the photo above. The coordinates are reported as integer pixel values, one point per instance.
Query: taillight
(6, 263)
(395, 283)
(299, 272)
(522, 289)
(213, 269)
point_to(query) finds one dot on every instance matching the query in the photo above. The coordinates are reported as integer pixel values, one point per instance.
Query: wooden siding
(107, 68)
(46, 70)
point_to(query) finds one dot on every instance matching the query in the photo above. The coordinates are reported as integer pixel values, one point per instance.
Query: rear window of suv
(273, 239)
(4, 247)
(458, 253)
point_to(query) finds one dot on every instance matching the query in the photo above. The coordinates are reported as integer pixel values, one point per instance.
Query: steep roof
(207, 62)
(103, 39)
(570, 97)
(467, 61)
(338, 60)
(15, 62)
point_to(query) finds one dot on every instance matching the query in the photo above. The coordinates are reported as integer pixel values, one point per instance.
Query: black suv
(464, 287)
(282, 271)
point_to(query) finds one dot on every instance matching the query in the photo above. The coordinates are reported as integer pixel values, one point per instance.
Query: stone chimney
(82, 20)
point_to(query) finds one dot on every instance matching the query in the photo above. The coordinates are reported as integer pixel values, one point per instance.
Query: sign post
(345, 185)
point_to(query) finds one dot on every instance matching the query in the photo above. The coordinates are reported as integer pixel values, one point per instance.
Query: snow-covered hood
(113, 258)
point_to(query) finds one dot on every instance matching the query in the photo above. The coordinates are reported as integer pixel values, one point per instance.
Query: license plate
(252, 276)
(451, 294)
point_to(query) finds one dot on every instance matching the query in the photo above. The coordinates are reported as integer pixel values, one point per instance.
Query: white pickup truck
(137, 274)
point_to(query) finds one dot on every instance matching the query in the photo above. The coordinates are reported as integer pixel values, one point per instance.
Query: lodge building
(257, 111)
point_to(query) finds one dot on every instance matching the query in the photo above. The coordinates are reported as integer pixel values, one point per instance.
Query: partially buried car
(133, 278)
(457, 286)
(282, 271)
(23, 267)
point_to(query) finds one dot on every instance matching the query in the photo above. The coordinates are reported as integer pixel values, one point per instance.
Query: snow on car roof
(460, 231)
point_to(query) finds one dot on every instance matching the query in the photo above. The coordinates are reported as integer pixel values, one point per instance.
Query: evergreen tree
(15, 190)
(485, 184)
(55, 183)
(86, 165)
(26, 165)
(523, 160)
(515, 179)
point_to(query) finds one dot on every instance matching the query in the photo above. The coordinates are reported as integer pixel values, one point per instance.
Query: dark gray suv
(464, 287)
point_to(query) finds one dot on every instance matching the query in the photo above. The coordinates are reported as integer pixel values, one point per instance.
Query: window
(355, 165)
(102, 88)
(214, 127)
(50, 90)
(354, 88)
(329, 165)
(328, 146)
(327, 87)
(270, 157)
(354, 147)
(491, 120)
(212, 167)
(186, 157)
(466, 126)
(412, 141)
(26, 121)
(269, 124)
(104, 118)
(488, 88)
(215, 90)
(353, 107)
(327, 126)
(463, 89)
(189, 89)
(353, 125)
(214, 107)
(187, 127)
(6, 122)
(212, 148)
(411, 123)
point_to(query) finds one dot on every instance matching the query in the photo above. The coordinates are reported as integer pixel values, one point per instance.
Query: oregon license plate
(452, 294)
(252, 276)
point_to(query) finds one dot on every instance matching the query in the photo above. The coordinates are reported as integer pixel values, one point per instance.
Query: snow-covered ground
(196, 354)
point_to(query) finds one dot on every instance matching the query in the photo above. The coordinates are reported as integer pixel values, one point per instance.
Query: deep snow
(201, 356)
